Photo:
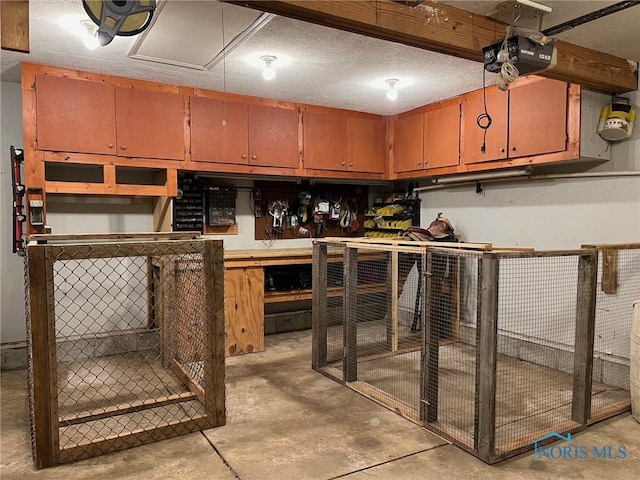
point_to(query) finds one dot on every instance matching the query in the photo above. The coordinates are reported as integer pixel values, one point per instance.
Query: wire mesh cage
(618, 287)
(493, 350)
(126, 342)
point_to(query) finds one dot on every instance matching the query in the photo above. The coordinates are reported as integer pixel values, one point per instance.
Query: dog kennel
(491, 349)
(126, 341)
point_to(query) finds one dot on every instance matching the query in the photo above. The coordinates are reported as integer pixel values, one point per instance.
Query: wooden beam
(14, 25)
(445, 29)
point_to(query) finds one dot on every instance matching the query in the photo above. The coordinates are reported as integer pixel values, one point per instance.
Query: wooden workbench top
(267, 257)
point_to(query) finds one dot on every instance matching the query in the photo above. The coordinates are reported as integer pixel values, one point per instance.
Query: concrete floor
(286, 421)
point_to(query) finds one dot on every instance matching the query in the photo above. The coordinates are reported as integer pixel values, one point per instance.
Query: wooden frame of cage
(45, 419)
(483, 441)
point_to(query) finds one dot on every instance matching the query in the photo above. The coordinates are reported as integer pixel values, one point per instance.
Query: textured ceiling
(316, 65)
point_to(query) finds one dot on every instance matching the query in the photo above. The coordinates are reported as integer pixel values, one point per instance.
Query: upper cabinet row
(89, 117)
(528, 121)
(536, 121)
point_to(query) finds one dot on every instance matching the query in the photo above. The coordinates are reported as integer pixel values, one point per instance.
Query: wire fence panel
(618, 287)
(134, 340)
(328, 311)
(388, 320)
(450, 352)
(535, 357)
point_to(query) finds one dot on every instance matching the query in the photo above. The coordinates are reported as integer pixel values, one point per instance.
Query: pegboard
(267, 196)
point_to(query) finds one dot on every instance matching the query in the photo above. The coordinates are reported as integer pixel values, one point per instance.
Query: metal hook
(516, 9)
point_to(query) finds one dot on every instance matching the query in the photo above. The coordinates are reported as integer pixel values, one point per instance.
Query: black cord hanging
(484, 119)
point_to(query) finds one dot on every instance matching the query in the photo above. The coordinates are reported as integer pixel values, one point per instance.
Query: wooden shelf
(307, 294)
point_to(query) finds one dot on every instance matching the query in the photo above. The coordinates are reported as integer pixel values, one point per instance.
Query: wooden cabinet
(537, 118)
(219, 131)
(338, 142)
(149, 124)
(239, 133)
(244, 310)
(442, 135)
(530, 119)
(82, 116)
(325, 141)
(273, 136)
(366, 144)
(75, 115)
(472, 136)
(408, 142)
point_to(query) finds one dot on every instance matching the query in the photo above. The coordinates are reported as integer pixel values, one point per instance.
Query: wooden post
(609, 280)
(388, 298)
(430, 345)
(214, 358)
(14, 25)
(43, 406)
(485, 432)
(350, 282)
(584, 337)
(319, 310)
(394, 300)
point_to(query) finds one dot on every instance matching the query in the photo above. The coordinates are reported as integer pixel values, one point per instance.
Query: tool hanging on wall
(17, 158)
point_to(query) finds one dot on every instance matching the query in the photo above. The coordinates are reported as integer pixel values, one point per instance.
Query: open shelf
(307, 294)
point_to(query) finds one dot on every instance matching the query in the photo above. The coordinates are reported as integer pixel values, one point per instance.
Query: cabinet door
(244, 310)
(366, 145)
(325, 141)
(537, 118)
(75, 115)
(149, 124)
(273, 136)
(442, 137)
(219, 131)
(409, 143)
(471, 135)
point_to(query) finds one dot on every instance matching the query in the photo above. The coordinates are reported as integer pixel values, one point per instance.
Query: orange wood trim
(86, 158)
(244, 169)
(338, 111)
(343, 174)
(142, 190)
(234, 97)
(33, 69)
(76, 187)
(390, 138)
(300, 169)
(186, 123)
(573, 119)
(172, 183)
(109, 172)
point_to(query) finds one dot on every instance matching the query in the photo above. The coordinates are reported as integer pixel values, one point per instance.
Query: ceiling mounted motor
(616, 120)
(119, 17)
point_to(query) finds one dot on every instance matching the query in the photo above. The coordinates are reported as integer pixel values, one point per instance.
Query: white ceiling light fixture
(90, 35)
(392, 93)
(268, 73)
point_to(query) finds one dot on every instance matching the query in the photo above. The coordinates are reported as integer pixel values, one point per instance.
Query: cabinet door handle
(351, 164)
(502, 150)
(342, 164)
(123, 147)
(419, 163)
(243, 156)
(110, 145)
(513, 149)
(253, 157)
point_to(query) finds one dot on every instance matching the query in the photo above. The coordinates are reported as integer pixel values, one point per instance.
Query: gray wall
(11, 269)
